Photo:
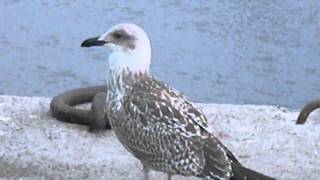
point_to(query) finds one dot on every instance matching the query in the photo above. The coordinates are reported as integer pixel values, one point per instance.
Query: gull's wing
(169, 115)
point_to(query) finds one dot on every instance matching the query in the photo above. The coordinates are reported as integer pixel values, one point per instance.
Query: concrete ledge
(265, 138)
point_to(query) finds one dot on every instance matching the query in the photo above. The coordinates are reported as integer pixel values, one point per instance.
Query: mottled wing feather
(156, 103)
(153, 90)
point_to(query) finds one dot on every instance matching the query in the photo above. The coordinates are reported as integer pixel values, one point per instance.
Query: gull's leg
(145, 173)
(169, 176)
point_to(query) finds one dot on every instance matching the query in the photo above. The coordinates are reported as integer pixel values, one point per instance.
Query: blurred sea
(232, 51)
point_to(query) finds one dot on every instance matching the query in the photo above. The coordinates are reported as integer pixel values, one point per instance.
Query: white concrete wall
(265, 138)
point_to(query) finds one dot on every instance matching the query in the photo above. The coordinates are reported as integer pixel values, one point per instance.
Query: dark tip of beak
(92, 42)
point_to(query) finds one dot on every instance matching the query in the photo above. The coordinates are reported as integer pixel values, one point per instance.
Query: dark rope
(62, 107)
(307, 109)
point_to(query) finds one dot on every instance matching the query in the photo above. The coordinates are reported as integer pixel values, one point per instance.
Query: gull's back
(163, 129)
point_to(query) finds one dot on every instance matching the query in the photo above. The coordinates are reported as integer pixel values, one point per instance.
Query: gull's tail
(242, 173)
(220, 163)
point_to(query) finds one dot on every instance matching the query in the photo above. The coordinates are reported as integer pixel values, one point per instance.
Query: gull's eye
(117, 35)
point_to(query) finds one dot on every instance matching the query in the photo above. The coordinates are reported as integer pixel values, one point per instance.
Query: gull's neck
(126, 66)
(136, 61)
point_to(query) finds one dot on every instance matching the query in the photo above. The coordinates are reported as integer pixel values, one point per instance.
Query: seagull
(156, 123)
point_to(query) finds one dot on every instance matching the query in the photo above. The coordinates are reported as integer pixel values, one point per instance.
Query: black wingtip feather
(242, 173)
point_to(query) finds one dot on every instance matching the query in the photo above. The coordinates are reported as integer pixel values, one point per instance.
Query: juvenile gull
(156, 123)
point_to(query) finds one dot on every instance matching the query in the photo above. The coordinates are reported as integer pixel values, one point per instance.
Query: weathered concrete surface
(35, 145)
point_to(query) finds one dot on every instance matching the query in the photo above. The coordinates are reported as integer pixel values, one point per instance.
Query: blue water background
(230, 51)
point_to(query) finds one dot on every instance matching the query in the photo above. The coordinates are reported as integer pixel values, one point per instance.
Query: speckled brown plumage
(162, 129)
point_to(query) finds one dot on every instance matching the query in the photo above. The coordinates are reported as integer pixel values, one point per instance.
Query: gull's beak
(93, 42)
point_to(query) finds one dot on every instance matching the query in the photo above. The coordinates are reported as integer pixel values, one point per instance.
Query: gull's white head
(130, 47)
